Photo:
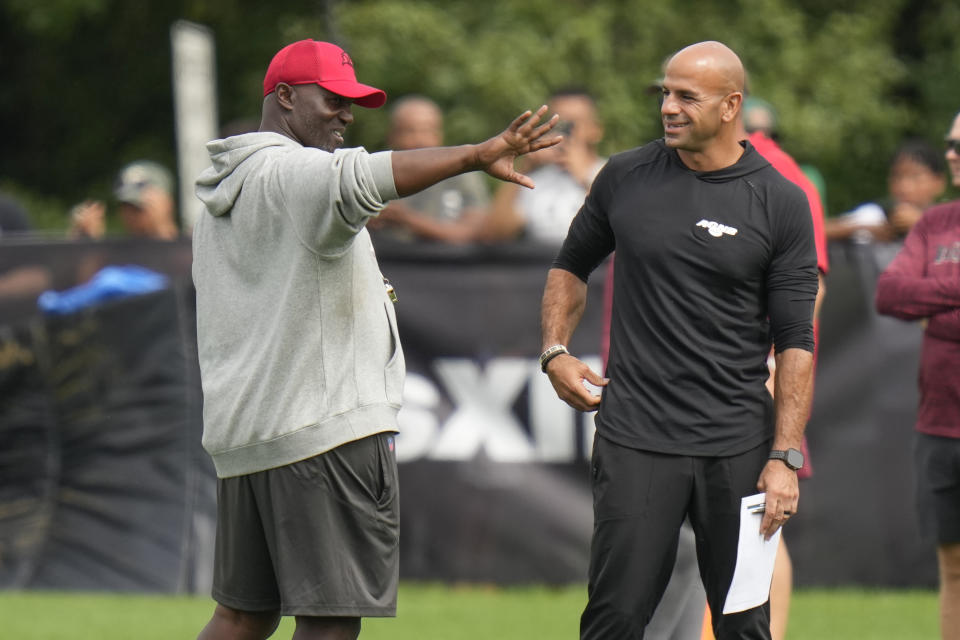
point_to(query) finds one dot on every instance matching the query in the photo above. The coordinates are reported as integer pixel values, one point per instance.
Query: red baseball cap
(322, 63)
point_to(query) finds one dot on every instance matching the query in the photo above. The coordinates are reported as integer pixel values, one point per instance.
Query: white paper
(755, 557)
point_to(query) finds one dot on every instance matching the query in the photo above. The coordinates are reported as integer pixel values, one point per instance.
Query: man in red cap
(300, 361)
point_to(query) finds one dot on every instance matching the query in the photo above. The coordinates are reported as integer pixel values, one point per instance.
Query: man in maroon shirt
(923, 283)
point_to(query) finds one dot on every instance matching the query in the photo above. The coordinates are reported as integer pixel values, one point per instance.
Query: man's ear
(284, 93)
(731, 106)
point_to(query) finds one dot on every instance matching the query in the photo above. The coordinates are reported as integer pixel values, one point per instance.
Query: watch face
(794, 458)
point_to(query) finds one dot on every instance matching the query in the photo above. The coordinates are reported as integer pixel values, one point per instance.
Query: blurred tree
(832, 73)
(89, 85)
(926, 40)
(88, 81)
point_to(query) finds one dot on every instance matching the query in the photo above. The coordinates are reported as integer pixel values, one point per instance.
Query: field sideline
(429, 611)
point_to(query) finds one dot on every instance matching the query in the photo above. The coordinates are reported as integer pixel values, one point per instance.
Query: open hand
(88, 219)
(496, 155)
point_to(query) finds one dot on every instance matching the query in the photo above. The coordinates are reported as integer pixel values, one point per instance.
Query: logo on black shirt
(716, 229)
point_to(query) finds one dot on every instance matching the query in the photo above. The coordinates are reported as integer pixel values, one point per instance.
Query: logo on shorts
(390, 443)
(716, 229)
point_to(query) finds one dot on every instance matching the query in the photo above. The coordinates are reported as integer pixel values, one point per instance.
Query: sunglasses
(953, 145)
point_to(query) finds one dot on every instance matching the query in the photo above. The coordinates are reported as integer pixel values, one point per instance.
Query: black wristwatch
(793, 458)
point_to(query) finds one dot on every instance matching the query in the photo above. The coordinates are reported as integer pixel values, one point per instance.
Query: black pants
(640, 499)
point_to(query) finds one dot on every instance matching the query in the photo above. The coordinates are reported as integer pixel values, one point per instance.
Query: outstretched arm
(564, 299)
(417, 169)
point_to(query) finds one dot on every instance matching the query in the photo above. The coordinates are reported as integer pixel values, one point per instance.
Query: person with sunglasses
(915, 181)
(923, 283)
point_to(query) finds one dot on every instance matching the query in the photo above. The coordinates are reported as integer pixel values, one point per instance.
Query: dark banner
(493, 466)
(103, 483)
(857, 523)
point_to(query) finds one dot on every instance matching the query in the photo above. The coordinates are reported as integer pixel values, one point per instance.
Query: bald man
(451, 211)
(715, 261)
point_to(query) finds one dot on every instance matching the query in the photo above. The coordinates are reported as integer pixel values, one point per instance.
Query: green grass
(450, 613)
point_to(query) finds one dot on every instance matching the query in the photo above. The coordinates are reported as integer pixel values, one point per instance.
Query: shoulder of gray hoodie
(329, 196)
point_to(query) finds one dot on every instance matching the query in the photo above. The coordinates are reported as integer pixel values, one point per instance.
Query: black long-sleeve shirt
(711, 266)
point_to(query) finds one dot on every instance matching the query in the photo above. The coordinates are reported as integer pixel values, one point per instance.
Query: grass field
(429, 612)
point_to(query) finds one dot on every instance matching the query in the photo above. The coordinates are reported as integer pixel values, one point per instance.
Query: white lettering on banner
(482, 417)
(418, 419)
(552, 422)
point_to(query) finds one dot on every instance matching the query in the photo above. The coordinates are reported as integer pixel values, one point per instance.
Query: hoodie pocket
(395, 368)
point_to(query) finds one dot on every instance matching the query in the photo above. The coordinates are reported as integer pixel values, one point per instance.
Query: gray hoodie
(297, 336)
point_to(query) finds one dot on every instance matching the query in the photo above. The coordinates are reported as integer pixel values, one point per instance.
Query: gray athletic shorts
(937, 463)
(317, 537)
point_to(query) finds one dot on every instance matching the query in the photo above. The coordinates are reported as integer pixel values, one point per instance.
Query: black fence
(104, 485)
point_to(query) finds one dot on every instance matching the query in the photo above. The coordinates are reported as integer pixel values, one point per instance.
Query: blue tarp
(109, 283)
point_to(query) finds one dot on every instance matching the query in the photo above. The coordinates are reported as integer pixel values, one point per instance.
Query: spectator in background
(450, 211)
(20, 281)
(923, 283)
(759, 115)
(13, 217)
(563, 175)
(760, 128)
(915, 181)
(145, 204)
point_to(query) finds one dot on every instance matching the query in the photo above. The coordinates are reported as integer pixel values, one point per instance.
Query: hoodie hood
(219, 185)
(750, 162)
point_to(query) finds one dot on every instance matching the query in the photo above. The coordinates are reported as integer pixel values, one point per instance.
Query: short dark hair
(412, 98)
(922, 152)
(573, 91)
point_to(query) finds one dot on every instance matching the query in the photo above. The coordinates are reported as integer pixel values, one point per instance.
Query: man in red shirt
(923, 283)
(759, 122)
(762, 140)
